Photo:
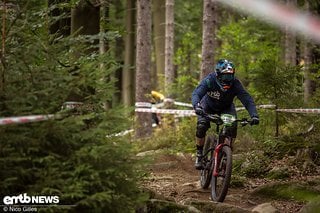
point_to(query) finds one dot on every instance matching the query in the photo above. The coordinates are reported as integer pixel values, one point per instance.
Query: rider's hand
(254, 121)
(198, 109)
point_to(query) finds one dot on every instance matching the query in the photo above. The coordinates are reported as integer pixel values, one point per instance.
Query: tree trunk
(85, 20)
(159, 30)
(169, 47)
(290, 52)
(102, 43)
(118, 47)
(128, 71)
(307, 61)
(143, 66)
(306, 69)
(208, 37)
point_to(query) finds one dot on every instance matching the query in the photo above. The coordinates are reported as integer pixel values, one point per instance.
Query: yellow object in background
(159, 97)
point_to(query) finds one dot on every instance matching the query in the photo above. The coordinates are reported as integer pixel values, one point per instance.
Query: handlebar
(217, 119)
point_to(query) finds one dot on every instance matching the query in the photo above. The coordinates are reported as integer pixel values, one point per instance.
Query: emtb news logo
(26, 199)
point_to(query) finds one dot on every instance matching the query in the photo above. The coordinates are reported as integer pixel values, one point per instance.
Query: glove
(254, 121)
(198, 109)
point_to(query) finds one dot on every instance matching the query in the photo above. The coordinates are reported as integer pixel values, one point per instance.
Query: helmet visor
(226, 78)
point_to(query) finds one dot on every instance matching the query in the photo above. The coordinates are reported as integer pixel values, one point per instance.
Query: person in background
(157, 98)
(215, 95)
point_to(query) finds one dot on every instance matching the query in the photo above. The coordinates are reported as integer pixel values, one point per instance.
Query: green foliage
(188, 63)
(315, 75)
(73, 160)
(242, 42)
(255, 165)
(189, 21)
(70, 157)
(181, 138)
(278, 83)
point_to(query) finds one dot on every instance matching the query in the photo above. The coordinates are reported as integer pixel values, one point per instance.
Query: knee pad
(202, 127)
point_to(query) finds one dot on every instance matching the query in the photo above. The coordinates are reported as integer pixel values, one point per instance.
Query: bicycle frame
(227, 142)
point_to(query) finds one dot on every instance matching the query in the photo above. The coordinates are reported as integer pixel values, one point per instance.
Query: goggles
(226, 77)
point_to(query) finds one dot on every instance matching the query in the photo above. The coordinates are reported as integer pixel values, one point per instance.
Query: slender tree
(128, 71)
(159, 18)
(143, 65)
(117, 47)
(169, 46)
(308, 84)
(85, 19)
(290, 41)
(208, 37)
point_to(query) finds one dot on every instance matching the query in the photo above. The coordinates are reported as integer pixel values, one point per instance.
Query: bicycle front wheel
(206, 172)
(220, 183)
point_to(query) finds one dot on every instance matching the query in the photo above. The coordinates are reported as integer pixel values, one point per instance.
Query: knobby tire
(220, 183)
(206, 173)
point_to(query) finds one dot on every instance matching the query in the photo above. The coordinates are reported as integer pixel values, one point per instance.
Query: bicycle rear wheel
(220, 183)
(207, 161)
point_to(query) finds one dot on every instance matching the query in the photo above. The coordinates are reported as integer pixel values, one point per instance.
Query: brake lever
(215, 118)
(244, 122)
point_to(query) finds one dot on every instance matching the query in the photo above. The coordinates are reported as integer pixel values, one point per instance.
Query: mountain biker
(215, 95)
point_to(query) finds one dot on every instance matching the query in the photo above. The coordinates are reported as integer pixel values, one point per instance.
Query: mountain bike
(217, 156)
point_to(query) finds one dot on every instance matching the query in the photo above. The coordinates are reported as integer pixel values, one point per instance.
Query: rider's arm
(200, 90)
(245, 99)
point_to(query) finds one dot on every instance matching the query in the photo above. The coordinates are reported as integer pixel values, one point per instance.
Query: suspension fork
(216, 153)
(227, 142)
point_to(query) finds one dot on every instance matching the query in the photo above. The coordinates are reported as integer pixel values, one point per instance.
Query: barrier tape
(123, 133)
(280, 15)
(189, 112)
(182, 104)
(71, 105)
(143, 104)
(313, 111)
(167, 111)
(180, 113)
(169, 100)
(25, 119)
(265, 106)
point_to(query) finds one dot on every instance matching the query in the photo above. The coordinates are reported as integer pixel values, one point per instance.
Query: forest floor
(174, 177)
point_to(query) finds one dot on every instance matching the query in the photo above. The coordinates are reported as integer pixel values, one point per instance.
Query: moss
(237, 181)
(288, 191)
(312, 206)
(278, 174)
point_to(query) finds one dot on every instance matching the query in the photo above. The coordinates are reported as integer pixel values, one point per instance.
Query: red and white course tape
(188, 112)
(167, 111)
(25, 119)
(279, 14)
(313, 111)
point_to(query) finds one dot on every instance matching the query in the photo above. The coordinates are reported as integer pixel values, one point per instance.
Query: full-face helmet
(225, 73)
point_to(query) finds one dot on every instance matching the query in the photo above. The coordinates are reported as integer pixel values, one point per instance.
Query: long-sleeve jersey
(209, 92)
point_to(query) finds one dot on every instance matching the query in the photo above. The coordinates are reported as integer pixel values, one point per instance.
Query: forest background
(87, 51)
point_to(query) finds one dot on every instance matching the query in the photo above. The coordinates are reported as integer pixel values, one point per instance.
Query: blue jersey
(210, 94)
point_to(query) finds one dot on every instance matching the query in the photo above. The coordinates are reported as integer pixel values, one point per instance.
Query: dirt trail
(174, 177)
